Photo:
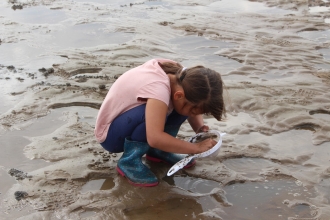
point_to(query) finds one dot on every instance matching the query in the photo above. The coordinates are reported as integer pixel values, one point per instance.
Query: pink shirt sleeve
(157, 90)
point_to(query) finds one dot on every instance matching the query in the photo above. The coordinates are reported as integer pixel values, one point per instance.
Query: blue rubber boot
(130, 164)
(156, 155)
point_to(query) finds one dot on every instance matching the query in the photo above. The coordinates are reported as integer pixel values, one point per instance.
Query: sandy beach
(58, 59)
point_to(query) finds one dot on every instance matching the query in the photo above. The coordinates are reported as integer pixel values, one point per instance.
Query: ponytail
(202, 86)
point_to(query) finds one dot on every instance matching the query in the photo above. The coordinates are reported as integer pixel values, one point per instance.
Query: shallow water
(249, 200)
(318, 9)
(274, 59)
(34, 15)
(241, 6)
(203, 50)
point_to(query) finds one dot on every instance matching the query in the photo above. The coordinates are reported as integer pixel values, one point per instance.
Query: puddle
(6, 183)
(201, 51)
(318, 36)
(322, 67)
(170, 209)
(28, 55)
(34, 15)
(100, 184)
(324, 187)
(12, 144)
(196, 185)
(37, 51)
(224, 6)
(317, 9)
(86, 214)
(87, 35)
(268, 200)
(289, 142)
(130, 3)
(244, 6)
(107, 184)
(252, 200)
(94, 1)
(321, 114)
(192, 184)
(256, 165)
(227, 6)
(325, 53)
(159, 3)
(121, 2)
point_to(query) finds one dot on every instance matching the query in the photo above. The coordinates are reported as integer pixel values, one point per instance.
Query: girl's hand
(204, 128)
(205, 145)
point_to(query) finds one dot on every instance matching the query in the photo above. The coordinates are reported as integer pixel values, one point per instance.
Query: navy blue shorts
(132, 124)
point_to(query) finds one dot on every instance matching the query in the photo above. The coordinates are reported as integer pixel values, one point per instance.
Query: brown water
(274, 57)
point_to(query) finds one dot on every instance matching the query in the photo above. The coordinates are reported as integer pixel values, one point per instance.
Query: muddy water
(59, 58)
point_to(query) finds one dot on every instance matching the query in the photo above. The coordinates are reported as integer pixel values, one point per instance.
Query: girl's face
(186, 108)
(182, 105)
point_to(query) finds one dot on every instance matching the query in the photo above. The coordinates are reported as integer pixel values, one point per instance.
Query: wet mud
(59, 58)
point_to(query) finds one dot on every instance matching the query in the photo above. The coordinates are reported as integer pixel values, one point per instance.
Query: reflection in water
(254, 200)
(325, 53)
(99, 184)
(316, 9)
(318, 36)
(107, 184)
(36, 51)
(229, 6)
(34, 15)
(268, 200)
(191, 184)
(87, 35)
(196, 185)
(28, 55)
(170, 209)
(86, 214)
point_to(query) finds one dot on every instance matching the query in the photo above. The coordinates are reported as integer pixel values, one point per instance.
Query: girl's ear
(178, 95)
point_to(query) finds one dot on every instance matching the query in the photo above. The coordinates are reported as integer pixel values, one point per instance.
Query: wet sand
(59, 58)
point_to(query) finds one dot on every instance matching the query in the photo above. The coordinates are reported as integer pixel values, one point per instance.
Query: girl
(144, 109)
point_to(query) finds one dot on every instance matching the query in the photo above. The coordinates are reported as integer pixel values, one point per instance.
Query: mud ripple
(319, 111)
(83, 104)
(85, 70)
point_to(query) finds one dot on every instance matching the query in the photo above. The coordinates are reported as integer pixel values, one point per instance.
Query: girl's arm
(197, 123)
(155, 121)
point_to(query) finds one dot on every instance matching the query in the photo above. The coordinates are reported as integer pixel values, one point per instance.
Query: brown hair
(202, 86)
